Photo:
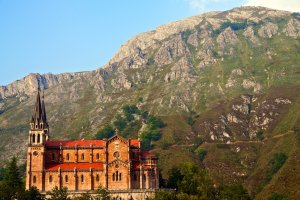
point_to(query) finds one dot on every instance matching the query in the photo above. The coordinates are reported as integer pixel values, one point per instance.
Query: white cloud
(200, 5)
(289, 5)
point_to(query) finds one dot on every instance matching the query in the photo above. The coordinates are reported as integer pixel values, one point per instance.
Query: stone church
(116, 164)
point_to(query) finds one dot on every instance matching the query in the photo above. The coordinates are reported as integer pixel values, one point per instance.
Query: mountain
(230, 79)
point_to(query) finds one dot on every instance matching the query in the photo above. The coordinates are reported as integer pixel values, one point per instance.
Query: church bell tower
(38, 135)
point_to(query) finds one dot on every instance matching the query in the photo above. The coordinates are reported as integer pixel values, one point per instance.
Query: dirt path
(240, 141)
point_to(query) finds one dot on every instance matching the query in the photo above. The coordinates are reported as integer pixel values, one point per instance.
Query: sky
(40, 36)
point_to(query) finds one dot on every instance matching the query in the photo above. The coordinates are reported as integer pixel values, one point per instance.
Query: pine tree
(12, 176)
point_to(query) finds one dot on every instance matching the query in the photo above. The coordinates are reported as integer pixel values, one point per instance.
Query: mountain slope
(223, 76)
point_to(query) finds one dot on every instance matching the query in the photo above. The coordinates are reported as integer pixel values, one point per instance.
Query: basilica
(115, 164)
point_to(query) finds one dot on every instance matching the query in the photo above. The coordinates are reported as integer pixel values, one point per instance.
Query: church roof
(72, 166)
(136, 165)
(81, 143)
(74, 143)
(147, 154)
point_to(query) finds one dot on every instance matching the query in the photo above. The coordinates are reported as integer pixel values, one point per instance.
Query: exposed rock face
(171, 50)
(183, 70)
(268, 30)
(249, 34)
(227, 37)
(293, 28)
(147, 39)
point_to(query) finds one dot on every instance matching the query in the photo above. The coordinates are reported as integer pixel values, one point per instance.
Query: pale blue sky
(57, 36)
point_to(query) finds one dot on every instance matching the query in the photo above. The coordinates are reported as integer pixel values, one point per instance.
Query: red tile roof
(73, 143)
(82, 143)
(72, 166)
(147, 154)
(134, 143)
(136, 165)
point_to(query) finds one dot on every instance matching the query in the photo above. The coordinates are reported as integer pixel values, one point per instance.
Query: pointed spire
(39, 114)
(44, 116)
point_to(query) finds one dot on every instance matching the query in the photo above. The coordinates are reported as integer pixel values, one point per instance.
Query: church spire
(44, 116)
(39, 115)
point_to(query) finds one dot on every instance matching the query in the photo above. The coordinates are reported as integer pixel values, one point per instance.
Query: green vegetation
(260, 135)
(274, 165)
(106, 132)
(192, 182)
(58, 194)
(277, 196)
(128, 124)
(201, 154)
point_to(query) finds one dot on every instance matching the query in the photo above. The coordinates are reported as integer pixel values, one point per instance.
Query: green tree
(106, 132)
(58, 194)
(175, 177)
(12, 183)
(164, 195)
(201, 154)
(234, 192)
(32, 194)
(120, 123)
(130, 109)
(102, 194)
(84, 196)
(12, 176)
(155, 122)
(5, 191)
(260, 135)
(196, 181)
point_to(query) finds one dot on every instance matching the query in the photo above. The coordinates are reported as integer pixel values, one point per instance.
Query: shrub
(274, 165)
(277, 196)
(106, 132)
(164, 195)
(120, 123)
(201, 154)
(129, 117)
(58, 194)
(145, 114)
(234, 192)
(155, 122)
(130, 109)
(260, 135)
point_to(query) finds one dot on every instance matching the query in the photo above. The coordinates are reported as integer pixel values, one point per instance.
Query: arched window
(144, 176)
(120, 176)
(38, 138)
(113, 177)
(53, 156)
(117, 176)
(34, 179)
(66, 178)
(97, 156)
(33, 138)
(97, 177)
(68, 156)
(82, 156)
(50, 179)
(82, 178)
(134, 177)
